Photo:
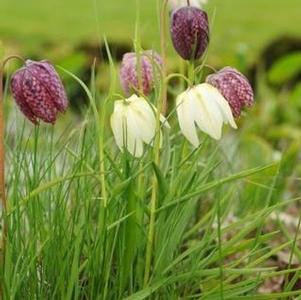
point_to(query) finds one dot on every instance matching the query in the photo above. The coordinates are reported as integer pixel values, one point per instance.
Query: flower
(133, 123)
(190, 32)
(150, 64)
(174, 4)
(39, 92)
(205, 107)
(235, 87)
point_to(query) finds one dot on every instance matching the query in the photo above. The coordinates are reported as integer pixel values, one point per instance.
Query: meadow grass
(211, 238)
(79, 211)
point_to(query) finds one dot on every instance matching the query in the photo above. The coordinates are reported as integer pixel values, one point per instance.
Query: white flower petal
(117, 123)
(133, 123)
(185, 111)
(134, 143)
(145, 120)
(208, 115)
(204, 106)
(224, 107)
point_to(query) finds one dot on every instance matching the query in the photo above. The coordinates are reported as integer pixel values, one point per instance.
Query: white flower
(133, 123)
(205, 107)
(174, 4)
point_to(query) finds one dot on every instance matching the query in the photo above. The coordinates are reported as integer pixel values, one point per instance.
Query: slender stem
(163, 28)
(2, 167)
(219, 235)
(161, 107)
(188, 2)
(191, 71)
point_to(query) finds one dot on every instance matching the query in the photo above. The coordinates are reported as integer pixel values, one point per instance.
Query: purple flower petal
(39, 91)
(150, 63)
(235, 88)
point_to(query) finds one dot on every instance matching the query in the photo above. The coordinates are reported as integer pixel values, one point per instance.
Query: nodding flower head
(39, 92)
(203, 106)
(235, 88)
(134, 124)
(141, 76)
(190, 32)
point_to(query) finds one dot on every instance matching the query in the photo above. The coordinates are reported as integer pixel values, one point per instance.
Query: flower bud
(132, 74)
(39, 91)
(190, 32)
(235, 88)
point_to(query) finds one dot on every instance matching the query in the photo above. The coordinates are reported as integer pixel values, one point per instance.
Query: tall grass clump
(120, 204)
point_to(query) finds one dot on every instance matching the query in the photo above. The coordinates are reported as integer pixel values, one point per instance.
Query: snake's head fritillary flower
(39, 92)
(203, 106)
(174, 4)
(190, 32)
(133, 123)
(235, 87)
(141, 76)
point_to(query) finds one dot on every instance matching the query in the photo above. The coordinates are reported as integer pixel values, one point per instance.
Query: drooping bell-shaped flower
(235, 87)
(203, 106)
(133, 123)
(174, 4)
(141, 76)
(190, 32)
(39, 92)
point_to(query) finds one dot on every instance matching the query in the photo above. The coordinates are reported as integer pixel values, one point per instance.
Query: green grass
(64, 244)
(79, 209)
(215, 237)
(241, 28)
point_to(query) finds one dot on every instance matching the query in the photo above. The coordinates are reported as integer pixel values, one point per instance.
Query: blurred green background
(240, 27)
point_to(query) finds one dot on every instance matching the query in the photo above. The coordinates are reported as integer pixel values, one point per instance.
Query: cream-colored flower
(134, 123)
(205, 107)
(174, 4)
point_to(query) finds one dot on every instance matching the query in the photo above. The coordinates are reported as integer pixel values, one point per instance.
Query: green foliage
(63, 245)
(285, 68)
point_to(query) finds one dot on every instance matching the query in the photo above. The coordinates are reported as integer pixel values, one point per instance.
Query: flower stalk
(3, 198)
(161, 107)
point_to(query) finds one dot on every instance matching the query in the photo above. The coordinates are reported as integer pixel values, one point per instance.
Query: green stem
(2, 168)
(191, 72)
(161, 107)
(102, 156)
(219, 235)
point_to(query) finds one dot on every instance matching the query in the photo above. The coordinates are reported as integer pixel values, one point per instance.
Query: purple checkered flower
(190, 32)
(39, 92)
(132, 74)
(235, 88)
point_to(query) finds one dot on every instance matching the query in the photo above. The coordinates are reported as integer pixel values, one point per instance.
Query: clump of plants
(134, 202)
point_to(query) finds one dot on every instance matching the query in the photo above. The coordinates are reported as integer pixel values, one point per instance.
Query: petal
(46, 74)
(134, 143)
(38, 98)
(144, 118)
(207, 114)
(125, 130)
(17, 92)
(117, 123)
(213, 110)
(223, 105)
(186, 112)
